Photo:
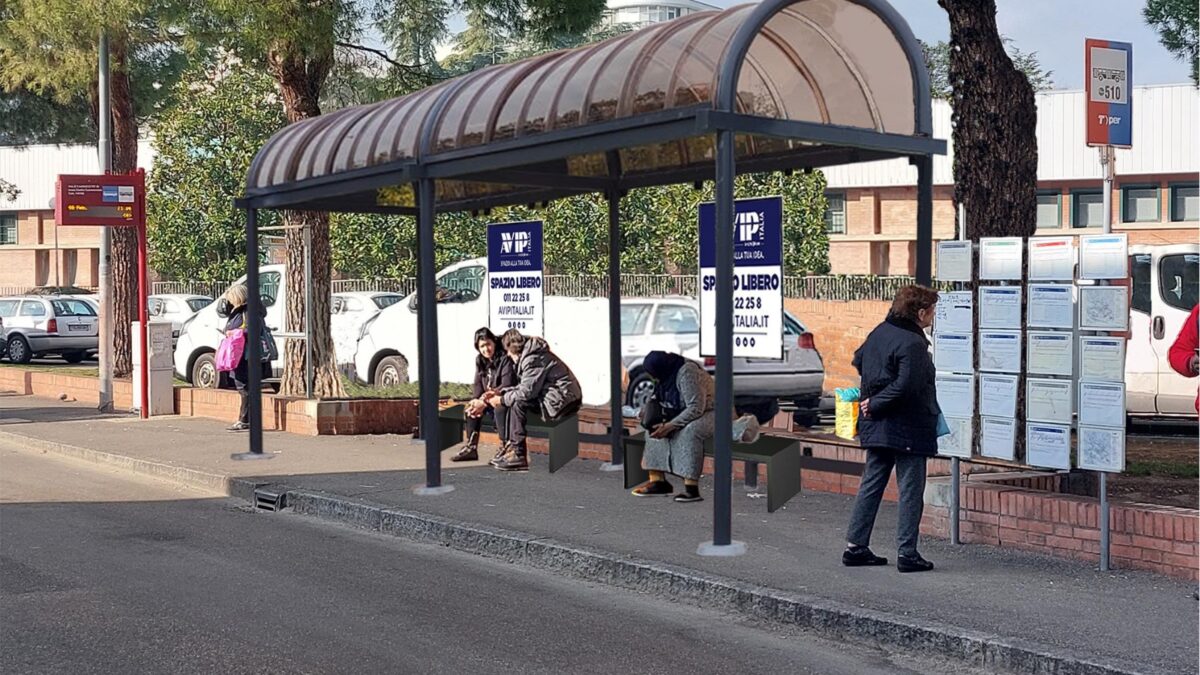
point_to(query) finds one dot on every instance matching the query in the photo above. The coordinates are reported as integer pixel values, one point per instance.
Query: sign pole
(1108, 162)
(143, 310)
(104, 149)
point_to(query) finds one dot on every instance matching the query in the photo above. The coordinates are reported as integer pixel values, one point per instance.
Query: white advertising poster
(1102, 404)
(1000, 307)
(957, 443)
(1051, 259)
(1000, 258)
(1049, 401)
(954, 312)
(1050, 353)
(955, 394)
(1051, 306)
(757, 278)
(1101, 449)
(1102, 359)
(954, 352)
(998, 395)
(998, 438)
(515, 296)
(1000, 351)
(1103, 308)
(954, 260)
(1103, 256)
(1048, 445)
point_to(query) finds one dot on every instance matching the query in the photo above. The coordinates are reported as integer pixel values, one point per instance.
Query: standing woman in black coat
(234, 307)
(898, 426)
(494, 372)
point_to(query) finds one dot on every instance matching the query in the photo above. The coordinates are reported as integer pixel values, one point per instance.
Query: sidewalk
(1127, 621)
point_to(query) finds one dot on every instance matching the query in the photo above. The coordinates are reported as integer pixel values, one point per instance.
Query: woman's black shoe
(467, 454)
(913, 564)
(691, 493)
(861, 556)
(654, 488)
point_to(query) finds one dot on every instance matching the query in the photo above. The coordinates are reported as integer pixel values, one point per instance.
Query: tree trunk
(123, 263)
(995, 123)
(995, 142)
(300, 79)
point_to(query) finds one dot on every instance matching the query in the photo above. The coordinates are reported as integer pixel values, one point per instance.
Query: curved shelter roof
(807, 83)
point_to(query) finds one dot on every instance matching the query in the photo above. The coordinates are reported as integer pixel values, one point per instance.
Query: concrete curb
(828, 619)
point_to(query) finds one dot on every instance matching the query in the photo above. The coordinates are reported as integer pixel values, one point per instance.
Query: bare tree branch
(377, 52)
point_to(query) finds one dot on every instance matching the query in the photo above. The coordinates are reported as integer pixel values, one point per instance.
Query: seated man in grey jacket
(544, 384)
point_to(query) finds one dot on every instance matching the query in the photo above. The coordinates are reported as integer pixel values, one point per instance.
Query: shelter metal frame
(526, 163)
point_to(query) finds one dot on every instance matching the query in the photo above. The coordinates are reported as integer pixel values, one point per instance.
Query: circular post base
(426, 491)
(242, 456)
(733, 548)
(609, 466)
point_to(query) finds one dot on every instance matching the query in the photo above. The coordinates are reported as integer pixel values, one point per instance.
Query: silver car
(672, 324)
(38, 325)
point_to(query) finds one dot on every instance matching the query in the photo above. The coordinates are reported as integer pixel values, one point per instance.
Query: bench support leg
(450, 433)
(783, 478)
(564, 443)
(635, 475)
(751, 470)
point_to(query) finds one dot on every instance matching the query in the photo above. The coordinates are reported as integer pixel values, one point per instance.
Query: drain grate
(269, 499)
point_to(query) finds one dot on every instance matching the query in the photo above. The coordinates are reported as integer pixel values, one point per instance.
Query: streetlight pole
(104, 149)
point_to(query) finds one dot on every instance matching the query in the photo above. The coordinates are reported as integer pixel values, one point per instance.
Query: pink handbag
(229, 353)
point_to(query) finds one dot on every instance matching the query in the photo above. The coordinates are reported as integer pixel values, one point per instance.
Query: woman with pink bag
(231, 356)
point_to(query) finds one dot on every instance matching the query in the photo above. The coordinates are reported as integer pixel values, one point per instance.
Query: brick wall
(839, 329)
(1018, 513)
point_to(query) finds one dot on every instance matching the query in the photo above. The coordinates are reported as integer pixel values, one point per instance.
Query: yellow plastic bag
(846, 421)
(846, 408)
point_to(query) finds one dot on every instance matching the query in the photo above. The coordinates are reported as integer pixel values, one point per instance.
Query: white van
(388, 346)
(1166, 283)
(201, 334)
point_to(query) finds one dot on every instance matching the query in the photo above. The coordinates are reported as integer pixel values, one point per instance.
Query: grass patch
(77, 371)
(1157, 468)
(452, 390)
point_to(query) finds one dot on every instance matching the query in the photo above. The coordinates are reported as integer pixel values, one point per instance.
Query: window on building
(1139, 204)
(8, 229)
(1087, 208)
(1185, 202)
(835, 213)
(1049, 210)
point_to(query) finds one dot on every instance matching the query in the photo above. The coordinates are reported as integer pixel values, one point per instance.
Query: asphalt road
(101, 572)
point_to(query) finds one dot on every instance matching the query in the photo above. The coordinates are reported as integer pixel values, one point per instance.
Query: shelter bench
(780, 453)
(563, 433)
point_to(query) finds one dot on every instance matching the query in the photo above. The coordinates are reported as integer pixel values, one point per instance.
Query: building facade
(34, 251)
(642, 13)
(871, 217)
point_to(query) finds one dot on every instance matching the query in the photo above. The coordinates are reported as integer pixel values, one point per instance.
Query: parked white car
(1166, 285)
(175, 308)
(350, 310)
(38, 325)
(201, 334)
(673, 324)
(388, 349)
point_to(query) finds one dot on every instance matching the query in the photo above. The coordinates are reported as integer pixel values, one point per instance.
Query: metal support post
(954, 506)
(616, 463)
(254, 331)
(1108, 162)
(924, 269)
(722, 543)
(427, 330)
(104, 150)
(308, 296)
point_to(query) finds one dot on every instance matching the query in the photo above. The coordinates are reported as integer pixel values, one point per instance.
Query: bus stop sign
(1109, 80)
(110, 200)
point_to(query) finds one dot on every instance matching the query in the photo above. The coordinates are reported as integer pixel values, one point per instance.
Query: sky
(1055, 29)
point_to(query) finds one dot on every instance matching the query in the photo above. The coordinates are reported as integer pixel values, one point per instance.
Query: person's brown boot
(516, 460)
(470, 453)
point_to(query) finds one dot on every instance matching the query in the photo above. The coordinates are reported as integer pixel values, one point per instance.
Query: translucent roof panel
(834, 62)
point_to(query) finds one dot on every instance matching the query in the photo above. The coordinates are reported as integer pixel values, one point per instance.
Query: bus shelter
(775, 86)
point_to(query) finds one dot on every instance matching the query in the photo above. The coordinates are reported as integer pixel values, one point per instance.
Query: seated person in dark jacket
(897, 427)
(544, 384)
(494, 372)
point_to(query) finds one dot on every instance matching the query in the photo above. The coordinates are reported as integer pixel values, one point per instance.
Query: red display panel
(107, 201)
